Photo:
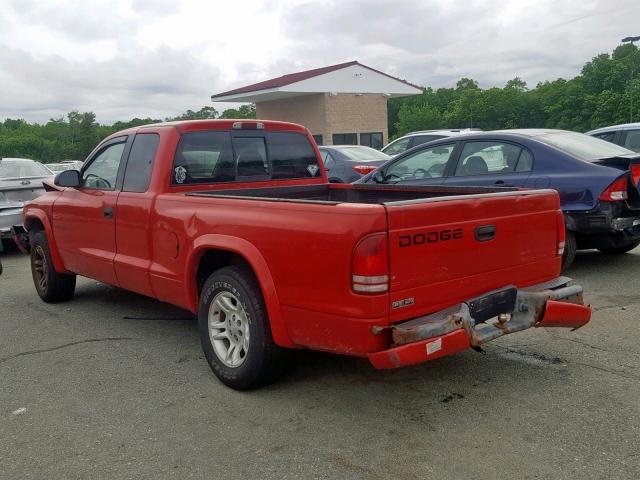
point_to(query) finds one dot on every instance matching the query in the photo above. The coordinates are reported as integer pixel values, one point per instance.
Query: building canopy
(350, 77)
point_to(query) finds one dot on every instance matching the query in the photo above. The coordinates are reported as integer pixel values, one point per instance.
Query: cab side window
(138, 172)
(491, 158)
(102, 172)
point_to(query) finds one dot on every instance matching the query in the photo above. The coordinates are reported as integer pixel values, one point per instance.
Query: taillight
(364, 169)
(616, 191)
(635, 174)
(561, 233)
(370, 266)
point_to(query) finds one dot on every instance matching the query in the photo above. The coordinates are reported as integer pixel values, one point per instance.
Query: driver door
(84, 217)
(423, 167)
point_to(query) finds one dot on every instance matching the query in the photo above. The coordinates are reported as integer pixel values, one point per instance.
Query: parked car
(597, 181)
(626, 135)
(348, 163)
(414, 139)
(236, 222)
(20, 181)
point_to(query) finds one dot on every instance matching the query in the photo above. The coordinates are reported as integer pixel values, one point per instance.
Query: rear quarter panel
(578, 183)
(307, 249)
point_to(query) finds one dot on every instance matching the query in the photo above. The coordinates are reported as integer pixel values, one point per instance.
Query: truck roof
(218, 124)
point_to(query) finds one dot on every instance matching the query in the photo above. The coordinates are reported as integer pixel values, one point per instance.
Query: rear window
(215, 157)
(22, 168)
(583, 146)
(204, 157)
(363, 154)
(291, 156)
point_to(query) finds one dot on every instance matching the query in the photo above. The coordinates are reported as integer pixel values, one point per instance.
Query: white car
(626, 135)
(413, 139)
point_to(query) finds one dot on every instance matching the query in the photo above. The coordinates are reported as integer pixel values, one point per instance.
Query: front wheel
(52, 286)
(619, 250)
(235, 332)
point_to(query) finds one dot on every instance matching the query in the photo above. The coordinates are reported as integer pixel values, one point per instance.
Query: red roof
(298, 77)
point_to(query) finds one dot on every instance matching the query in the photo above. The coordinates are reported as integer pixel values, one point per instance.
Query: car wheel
(235, 332)
(570, 247)
(619, 250)
(52, 287)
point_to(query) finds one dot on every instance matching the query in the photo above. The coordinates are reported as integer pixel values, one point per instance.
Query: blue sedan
(597, 181)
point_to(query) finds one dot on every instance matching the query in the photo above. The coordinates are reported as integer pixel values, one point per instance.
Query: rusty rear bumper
(553, 304)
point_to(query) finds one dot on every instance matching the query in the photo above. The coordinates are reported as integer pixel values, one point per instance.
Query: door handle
(107, 212)
(502, 184)
(485, 233)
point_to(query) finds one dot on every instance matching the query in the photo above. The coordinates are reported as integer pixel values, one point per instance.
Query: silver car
(20, 181)
(414, 139)
(626, 135)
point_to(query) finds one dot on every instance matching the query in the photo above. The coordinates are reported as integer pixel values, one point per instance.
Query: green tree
(244, 111)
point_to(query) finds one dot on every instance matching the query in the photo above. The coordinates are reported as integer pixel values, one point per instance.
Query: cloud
(126, 58)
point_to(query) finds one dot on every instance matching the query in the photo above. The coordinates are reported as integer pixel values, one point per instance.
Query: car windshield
(583, 146)
(22, 168)
(363, 154)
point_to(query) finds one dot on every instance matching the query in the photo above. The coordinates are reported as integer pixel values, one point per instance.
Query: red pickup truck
(236, 222)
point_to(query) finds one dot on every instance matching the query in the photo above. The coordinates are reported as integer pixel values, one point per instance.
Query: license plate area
(492, 304)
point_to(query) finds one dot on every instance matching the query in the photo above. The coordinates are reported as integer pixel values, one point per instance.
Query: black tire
(52, 287)
(263, 361)
(619, 250)
(570, 248)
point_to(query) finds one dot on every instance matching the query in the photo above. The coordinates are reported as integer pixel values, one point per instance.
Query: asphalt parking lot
(114, 385)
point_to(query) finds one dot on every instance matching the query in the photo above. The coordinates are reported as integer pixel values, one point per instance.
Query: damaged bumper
(477, 321)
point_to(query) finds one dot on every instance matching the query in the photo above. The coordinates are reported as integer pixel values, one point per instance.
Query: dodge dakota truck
(236, 222)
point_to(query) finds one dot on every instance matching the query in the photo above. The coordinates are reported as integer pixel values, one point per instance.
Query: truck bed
(341, 193)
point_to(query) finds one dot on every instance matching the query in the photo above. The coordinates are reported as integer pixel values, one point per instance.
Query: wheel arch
(212, 252)
(36, 220)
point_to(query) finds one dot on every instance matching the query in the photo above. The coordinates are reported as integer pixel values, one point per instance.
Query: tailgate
(446, 250)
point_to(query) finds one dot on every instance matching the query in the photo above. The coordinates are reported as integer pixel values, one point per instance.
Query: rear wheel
(235, 332)
(619, 250)
(52, 287)
(570, 248)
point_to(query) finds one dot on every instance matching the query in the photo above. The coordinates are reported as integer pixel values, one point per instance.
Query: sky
(157, 58)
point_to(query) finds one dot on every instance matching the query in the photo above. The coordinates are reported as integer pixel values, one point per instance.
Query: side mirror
(68, 178)
(378, 176)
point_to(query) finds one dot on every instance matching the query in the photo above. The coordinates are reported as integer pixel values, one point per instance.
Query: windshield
(363, 154)
(22, 168)
(582, 146)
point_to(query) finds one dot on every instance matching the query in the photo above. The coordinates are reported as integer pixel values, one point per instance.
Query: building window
(318, 139)
(345, 139)
(373, 140)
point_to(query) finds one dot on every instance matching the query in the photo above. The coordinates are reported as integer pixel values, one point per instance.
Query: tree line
(606, 92)
(72, 137)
